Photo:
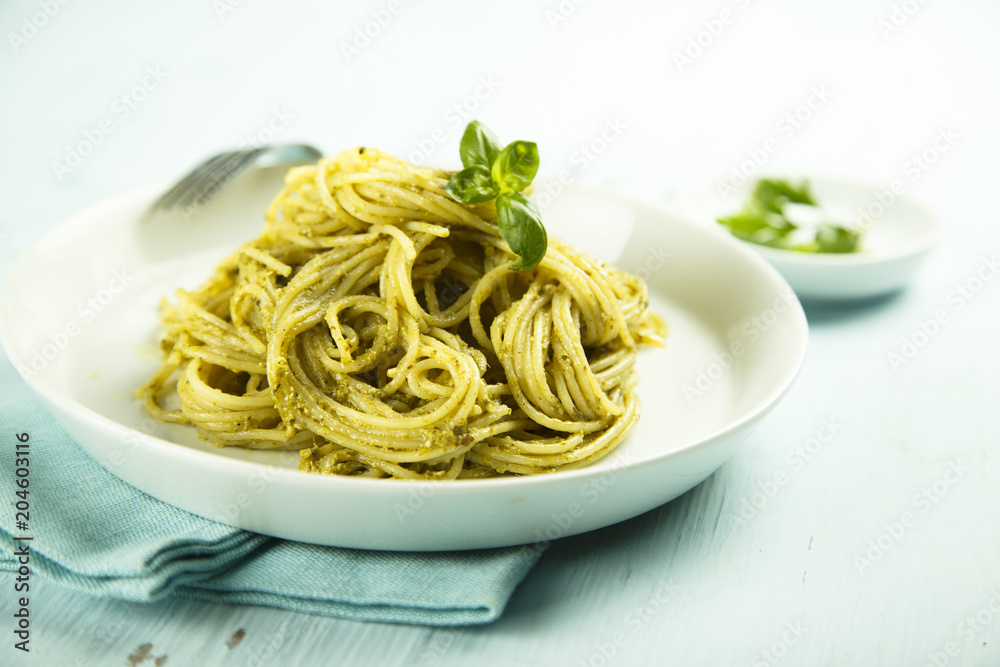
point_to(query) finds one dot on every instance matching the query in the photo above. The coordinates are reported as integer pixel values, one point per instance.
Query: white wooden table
(857, 527)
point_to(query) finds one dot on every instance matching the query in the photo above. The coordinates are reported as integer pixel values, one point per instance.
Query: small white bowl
(898, 233)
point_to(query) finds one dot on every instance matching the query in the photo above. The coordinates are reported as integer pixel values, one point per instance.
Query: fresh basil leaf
(765, 229)
(743, 225)
(834, 238)
(771, 194)
(479, 146)
(521, 227)
(516, 166)
(472, 185)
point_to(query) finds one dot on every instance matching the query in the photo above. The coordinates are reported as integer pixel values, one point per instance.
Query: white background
(690, 583)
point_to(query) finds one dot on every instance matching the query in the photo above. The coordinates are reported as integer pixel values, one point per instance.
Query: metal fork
(208, 178)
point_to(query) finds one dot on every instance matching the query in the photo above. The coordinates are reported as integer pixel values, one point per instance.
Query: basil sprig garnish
(502, 174)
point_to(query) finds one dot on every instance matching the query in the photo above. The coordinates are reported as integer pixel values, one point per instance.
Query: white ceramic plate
(898, 234)
(80, 322)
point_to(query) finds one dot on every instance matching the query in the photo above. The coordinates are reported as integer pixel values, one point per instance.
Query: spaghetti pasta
(377, 327)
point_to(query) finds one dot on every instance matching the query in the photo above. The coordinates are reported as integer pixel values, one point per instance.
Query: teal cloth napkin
(94, 533)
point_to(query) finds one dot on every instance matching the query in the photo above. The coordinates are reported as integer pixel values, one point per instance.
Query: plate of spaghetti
(362, 353)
